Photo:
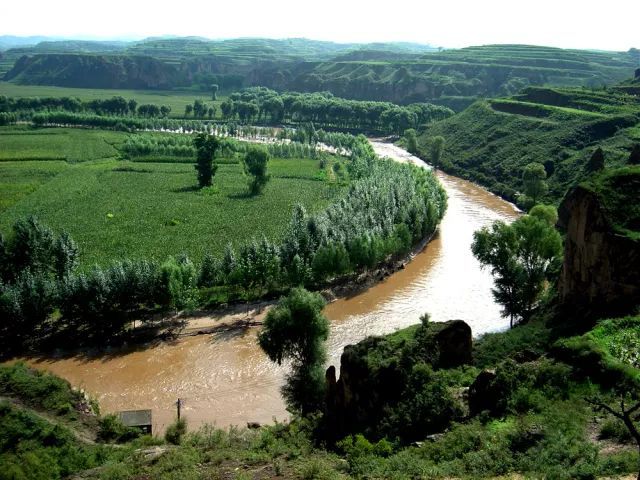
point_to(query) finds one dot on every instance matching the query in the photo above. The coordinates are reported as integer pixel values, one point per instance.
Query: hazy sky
(608, 25)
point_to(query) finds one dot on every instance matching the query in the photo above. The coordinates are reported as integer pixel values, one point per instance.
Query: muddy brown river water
(225, 379)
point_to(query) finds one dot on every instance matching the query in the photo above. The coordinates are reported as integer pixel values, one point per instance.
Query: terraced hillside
(400, 73)
(493, 140)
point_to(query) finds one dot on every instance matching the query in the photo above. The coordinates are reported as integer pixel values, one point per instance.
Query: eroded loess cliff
(391, 386)
(601, 270)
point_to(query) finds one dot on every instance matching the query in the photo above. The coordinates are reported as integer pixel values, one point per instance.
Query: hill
(493, 140)
(396, 72)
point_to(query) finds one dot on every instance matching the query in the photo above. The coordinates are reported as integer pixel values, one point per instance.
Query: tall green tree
(436, 148)
(534, 181)
(523, 257)
(206, 149)
(296, 330)
(255, 166)
(412, 140)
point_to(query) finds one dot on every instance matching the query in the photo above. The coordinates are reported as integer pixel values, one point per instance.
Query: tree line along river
(225, 379)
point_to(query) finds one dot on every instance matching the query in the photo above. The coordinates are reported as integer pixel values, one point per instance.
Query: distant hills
(397, 72)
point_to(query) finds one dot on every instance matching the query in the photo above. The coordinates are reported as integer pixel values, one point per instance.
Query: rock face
(374, 373)
(601, 270)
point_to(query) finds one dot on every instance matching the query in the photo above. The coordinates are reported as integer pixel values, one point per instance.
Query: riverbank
(224, 376)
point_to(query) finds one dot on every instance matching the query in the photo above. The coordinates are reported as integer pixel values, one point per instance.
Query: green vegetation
(534, 181)
(255, 104)
(70, 145)
(79, 197)
(296, 330)
(619, 193)
(524, 256)
(493, 141)
(48, 430)
(206, 148)
(389, 72)
(106, 204)
(175, 100)
(255, 166)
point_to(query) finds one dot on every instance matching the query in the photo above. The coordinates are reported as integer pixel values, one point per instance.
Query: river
(225, 379)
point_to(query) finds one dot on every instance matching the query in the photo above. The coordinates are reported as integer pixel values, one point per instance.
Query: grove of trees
(259, 104)
(387, 208)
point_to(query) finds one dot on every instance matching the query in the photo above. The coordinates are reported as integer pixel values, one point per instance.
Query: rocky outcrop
(374, 373)
(601, 270)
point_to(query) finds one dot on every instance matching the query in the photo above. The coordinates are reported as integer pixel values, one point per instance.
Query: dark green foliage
(296, 330)
(397, 386)
(634, 156)
(31, 448)
(618, 191)
(522, 257)
(614, 429)
(101, 302)
(255, 165)
(330, 260)
(531, 339)
(427, 404)
(411, 140)
(178, 280)
(38, 389)
(31, 247)
(176, 431)
(533, 180)
(255, 104)
(206, 146)
(111, 429)
(436, 147)
(596, 162)
(66, 255)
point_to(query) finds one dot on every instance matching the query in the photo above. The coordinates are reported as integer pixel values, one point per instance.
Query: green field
(177, 100)
(71, 145)
(120, 209)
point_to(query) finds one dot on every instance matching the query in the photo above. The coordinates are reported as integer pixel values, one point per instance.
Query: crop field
(120, 209)
(19, 179)
(177, 100)
(71, 145)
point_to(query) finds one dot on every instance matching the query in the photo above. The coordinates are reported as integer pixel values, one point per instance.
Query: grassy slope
(492, 141)
(156, 209)
(619, 192)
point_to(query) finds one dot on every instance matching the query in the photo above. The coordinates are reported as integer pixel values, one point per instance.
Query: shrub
(111, 429)
(176, 431)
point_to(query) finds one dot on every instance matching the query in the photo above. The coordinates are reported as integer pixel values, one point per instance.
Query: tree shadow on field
(241, 196)
(187, 189)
